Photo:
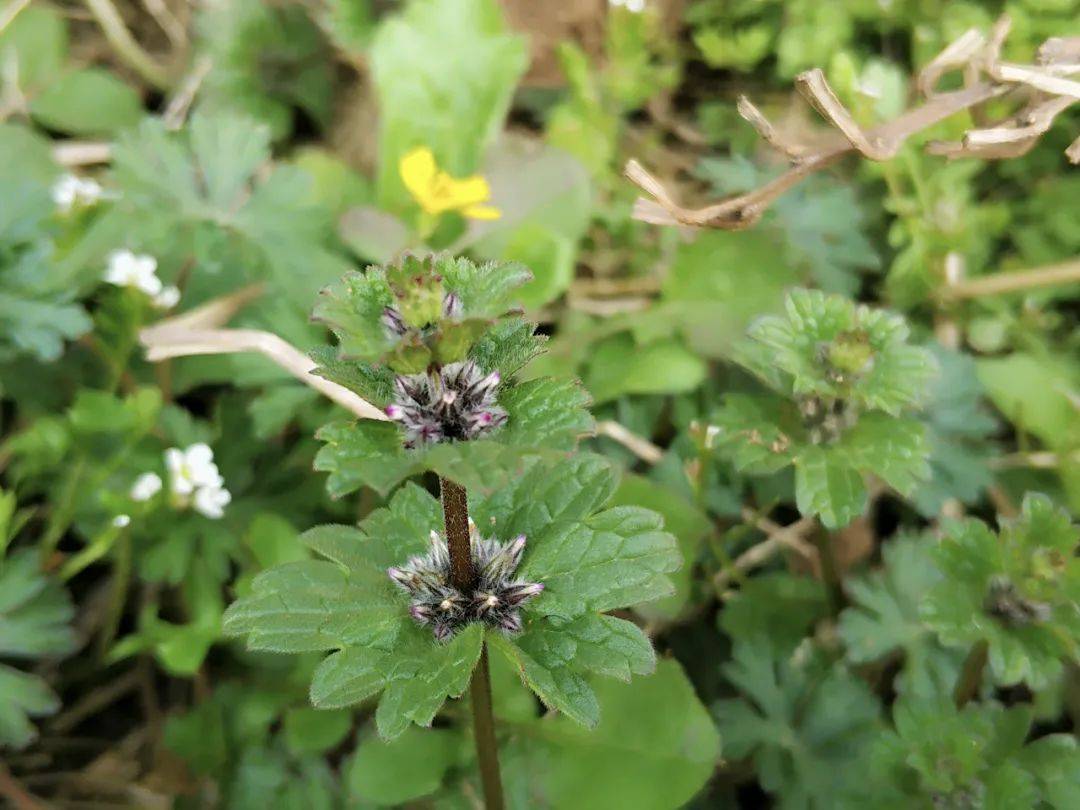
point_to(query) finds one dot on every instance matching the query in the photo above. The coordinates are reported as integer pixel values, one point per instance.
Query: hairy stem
(967, 684)
(455, 505)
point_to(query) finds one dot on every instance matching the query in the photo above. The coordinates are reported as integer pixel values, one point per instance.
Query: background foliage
(843, 453)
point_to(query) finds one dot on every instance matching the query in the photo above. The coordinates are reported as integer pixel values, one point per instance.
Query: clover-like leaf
(1017, 591)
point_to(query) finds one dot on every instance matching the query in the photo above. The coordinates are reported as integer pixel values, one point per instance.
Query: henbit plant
(525, 562)
(840, 376)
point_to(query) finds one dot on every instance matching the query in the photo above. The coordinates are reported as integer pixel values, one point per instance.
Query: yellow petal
(481, 212)
(417, 169)
(468, 191)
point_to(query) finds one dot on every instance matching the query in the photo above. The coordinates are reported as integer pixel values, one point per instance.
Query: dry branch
(1045, 87)
(196, 332)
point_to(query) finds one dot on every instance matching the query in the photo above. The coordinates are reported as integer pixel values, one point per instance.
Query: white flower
(168, 298)
(192, 469)
(71, 190)
(635, 6)
(127, 269)
(211, 501)
(120, 521)
(146, 486)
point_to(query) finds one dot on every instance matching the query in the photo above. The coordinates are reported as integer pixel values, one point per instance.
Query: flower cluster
(395, 325)
(194, 481)
(454, 402)
(72, 191)
(128, 269)
(495, 600)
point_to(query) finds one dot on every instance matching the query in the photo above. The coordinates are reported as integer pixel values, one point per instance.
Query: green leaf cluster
(1017, 591)
(590, 559)
(841, 376)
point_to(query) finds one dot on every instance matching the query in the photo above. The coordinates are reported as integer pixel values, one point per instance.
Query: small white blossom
(168, 298)
(127, 269)
(211, 501)
(192, 469)
(120, 521)
(72, 190)
(146, 486)
(635, 6)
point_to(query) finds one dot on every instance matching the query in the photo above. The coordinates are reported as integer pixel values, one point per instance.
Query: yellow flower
(438, 192)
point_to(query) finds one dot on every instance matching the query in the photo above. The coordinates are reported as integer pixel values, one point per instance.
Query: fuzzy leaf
(1017, 591)
(826, 486)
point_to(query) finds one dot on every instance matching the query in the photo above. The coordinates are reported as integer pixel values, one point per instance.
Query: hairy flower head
(455, 402)
(437, 192)
(496, 599)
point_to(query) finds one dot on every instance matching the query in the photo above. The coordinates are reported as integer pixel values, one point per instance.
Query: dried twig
(640, 447)
(10, 12)
(778, 537)
(195, 333)
(1049, 89)
(1048, 276)
(73, 154)
(180, 103)
(129, 51)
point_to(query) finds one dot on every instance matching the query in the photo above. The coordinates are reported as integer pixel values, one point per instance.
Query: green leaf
(832, 348)
(778, 607)
(407, 768)
(719, 282)
(35, 612)
(544, 666)
(826, 486)
(890, 448)
(38, 39)
(758, 434)
(265, 61)
(619, 366)
(314, 730)
(613, 559)
(687, 522)
(1017, 592)
(958, 433)
(453, 60)
(441, 671)
(806, 723)
(655, 747)
(22, 696)
(884, 618)
(90, 101)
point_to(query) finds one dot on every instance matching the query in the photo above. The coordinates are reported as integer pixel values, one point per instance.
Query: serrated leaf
(614, 559)
(22, 696)
(778, 607)
(826, 486)
(884, 617)
(35, 612)
(759, 434)
(1016, 591)
(442, 671)
(893, 449)
(546, 672)
(831, 347)
(805, 723)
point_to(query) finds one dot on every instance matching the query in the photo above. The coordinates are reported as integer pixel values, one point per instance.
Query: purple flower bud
(451, 305)
(395, 412)
(393, 322)
(511, 623)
